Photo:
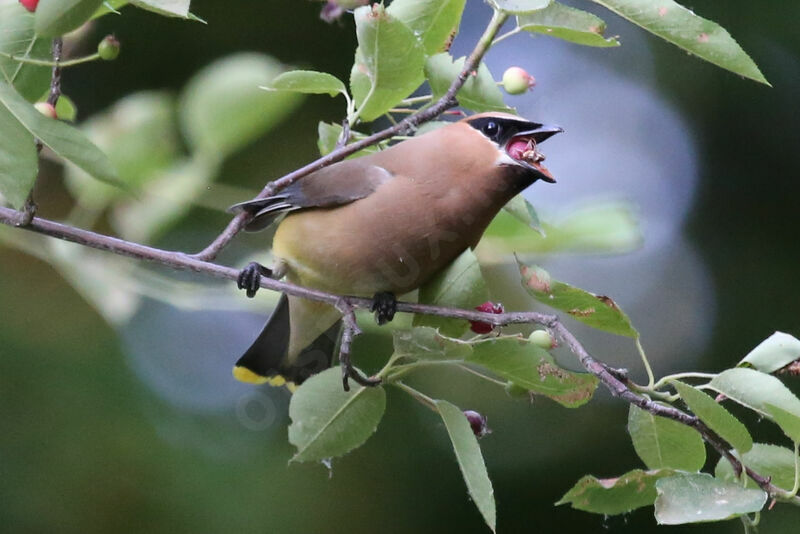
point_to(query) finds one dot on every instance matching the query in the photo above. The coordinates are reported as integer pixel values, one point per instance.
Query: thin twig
(30, 207)
(350, 330)
(611, 378)
(409, 124)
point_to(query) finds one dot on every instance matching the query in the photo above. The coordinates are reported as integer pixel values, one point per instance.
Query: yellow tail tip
(243, 374)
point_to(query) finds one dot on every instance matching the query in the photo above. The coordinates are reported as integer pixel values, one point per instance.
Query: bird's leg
(384, 304)
(250, 277)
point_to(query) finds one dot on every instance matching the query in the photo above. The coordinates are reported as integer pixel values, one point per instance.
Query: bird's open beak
(523, 148)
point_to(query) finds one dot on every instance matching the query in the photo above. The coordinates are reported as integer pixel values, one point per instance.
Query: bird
(378, 226)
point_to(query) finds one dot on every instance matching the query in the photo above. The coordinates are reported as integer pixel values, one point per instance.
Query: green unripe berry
(46, 109)
(542, 338)
(516, 81)
(108, 49)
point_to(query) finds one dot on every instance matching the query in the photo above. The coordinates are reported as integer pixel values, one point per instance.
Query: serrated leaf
(388, 63)
(434, 22)
(460, 285)
(775, 352)
(517, 7)
(18, 38)
(534, 369)
(470, 460)
(771, 461)
(222, 108)
(18, 159)
(309, 82)
(789, 422)
(755, 390)
(63, 139)
(612, 496)
(428, 344)
(567, 23)
(699, 497)
(681, 27)
(715, 416)
(664, 443)
(523, 211)
(479, 93)
(329, 135)
(328, 421)
(57, 17)
(597, 311)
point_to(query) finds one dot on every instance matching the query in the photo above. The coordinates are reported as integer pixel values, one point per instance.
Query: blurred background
(676, 195)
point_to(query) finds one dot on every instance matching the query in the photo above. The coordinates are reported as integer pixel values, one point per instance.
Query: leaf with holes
(597, 311)
(612, 496)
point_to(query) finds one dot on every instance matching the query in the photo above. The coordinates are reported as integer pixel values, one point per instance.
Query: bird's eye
(491, 129)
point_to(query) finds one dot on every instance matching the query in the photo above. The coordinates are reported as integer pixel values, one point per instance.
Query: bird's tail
(267, 361)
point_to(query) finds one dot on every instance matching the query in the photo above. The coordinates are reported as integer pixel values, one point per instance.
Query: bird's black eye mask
(519, 139)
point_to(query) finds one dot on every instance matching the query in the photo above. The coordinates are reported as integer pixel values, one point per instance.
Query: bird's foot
(250, 278)
(384, 304)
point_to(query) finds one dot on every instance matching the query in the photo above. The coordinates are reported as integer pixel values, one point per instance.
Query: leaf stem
(796, 486)
(506, 35)
(677, 376)
(418, 395)
(650, 378)
(50, 63)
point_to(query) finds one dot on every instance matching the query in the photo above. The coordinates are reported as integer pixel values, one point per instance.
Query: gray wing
(336, 185)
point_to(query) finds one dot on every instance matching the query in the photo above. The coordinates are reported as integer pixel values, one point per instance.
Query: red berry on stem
(479, 327)
(477, 422)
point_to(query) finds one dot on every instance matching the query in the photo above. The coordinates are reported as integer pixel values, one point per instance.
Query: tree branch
(447, 101)
(612, 379)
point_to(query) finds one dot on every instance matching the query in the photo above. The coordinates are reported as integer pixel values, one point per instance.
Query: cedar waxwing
(381, 224)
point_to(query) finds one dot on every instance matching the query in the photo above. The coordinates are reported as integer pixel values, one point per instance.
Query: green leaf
(65, 109)
(755, 390)
(167, 196)
(170, 8)
(568, 23)
(681, 27)
(607, 227)
(479, 93)
(140, 137)
(222, 108)
(664, 443)
(428, 344)
(54, 18)
(18, 159)
(461, 285)
(309, 82)
(534, 369)
(519, 6)
(771, 461)
(109, 6)
(63, 139)
(789, 422)
(523, 211)
(435, 22)
(388, 64)
(699, 497)
(470, 460)
(329, 135)
(328, 421)
(597, 311)
(612, 496)
(775, 352)
(715, 416)
(18, 39)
